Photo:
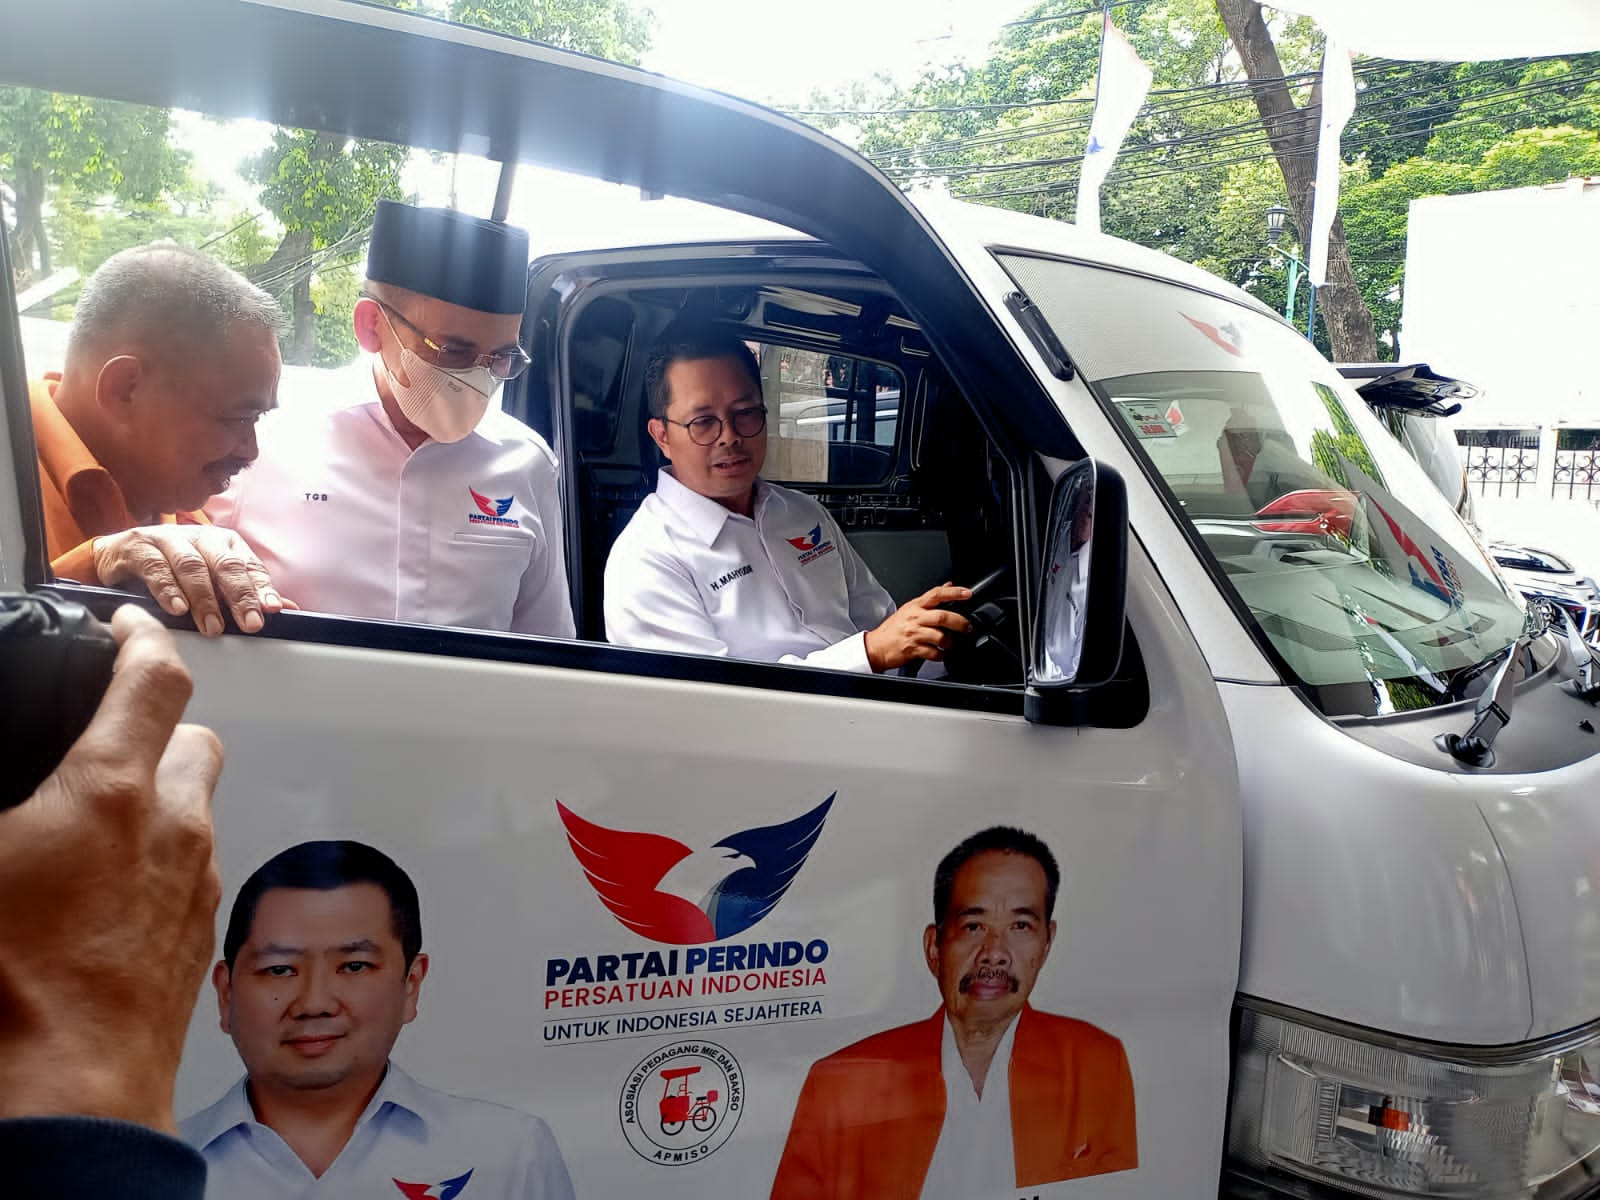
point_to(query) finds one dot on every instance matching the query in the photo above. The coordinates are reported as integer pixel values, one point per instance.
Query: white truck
(1320, 789)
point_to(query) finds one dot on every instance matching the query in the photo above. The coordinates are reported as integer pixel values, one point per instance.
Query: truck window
(837, 416)
(838, 430)
(1352, 566)
(840, 359)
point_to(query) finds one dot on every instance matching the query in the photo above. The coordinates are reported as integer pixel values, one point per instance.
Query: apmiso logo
(673, 893)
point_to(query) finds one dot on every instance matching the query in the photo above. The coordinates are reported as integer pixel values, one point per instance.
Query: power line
(1001, 106)
(1387, 80)
(1383, 90)
(1249, 135)
(1076, 14)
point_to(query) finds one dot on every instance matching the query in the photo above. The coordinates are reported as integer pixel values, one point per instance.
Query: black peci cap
(451, 256)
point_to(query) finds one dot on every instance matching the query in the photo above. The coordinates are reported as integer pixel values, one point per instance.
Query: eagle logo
(1227, 338)
(808, 542)
(669, 892)
(491, 508)
(449, 1189)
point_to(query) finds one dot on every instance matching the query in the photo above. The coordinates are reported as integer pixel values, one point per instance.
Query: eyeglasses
(704, 431)
(506, 363)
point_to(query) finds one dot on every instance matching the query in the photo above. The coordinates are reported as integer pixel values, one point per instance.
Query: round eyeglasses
(704, 431)
(505, 363)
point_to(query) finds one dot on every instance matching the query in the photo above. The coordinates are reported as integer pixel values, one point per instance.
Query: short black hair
(1007, 840)
(322, 867)
(691, 341)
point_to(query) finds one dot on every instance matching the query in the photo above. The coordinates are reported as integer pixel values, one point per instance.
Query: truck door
(658, 893)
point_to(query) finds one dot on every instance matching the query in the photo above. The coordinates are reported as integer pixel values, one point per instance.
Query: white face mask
(445, 405)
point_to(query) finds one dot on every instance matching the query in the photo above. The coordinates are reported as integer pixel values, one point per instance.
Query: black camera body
(55, 665)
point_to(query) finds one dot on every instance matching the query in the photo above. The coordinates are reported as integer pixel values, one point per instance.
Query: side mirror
(1077, 640)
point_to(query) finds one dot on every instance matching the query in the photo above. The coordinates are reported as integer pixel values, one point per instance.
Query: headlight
(1391, 1121)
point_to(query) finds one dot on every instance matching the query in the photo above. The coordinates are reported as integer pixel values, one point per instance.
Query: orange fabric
(869, 1117)
(81, 500)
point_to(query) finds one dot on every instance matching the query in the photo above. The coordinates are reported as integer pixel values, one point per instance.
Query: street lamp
(1276, 216)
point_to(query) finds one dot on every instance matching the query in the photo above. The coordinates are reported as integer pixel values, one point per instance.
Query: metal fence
(1577, 466)
(1500, 462)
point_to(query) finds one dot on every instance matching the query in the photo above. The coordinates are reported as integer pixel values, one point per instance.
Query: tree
(1292, 131)
(94, 147)
(324, 189)
(611, 29)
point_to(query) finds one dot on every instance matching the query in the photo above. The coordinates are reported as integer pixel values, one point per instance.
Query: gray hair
(164, 297)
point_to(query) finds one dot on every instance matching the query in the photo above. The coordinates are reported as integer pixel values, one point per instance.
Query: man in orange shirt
(986, 1095)
(171, 360)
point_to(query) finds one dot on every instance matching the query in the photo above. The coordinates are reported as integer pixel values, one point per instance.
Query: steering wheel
(992, 651)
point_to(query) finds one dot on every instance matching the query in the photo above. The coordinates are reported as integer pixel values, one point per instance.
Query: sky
(772, 53)
(761, 51)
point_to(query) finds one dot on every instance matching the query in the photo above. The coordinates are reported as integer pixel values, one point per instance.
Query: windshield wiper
(1578, 662)
(1475, 747)
(1581, 663)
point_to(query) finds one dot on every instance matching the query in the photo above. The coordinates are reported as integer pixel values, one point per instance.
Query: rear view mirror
(1082, 588)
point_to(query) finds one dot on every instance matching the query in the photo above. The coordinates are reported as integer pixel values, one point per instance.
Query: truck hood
(1417, 898)
(1547, 826)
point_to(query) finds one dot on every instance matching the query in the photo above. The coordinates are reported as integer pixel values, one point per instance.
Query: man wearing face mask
(410, 496)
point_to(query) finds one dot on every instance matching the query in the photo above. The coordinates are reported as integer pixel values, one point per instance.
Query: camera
(55, 665)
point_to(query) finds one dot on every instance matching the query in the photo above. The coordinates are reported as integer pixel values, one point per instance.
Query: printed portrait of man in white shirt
(321, 968)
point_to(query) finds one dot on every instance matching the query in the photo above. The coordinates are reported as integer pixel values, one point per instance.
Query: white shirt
(408, 1134)
(781, 586)
(975, 1155)
(348, 519)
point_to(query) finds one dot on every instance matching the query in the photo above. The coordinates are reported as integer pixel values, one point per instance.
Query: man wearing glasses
(718, 561)
(411, 496)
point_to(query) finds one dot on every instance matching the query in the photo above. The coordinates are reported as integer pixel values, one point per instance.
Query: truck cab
(1316, 783)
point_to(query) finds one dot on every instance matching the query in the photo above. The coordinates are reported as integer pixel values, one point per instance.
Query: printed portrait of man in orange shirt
(986, 1095)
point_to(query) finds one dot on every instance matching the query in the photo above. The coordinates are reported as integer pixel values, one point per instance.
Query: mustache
(232, 466)
(989, 975)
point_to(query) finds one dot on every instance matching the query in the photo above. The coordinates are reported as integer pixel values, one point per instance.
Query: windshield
(1349, 560)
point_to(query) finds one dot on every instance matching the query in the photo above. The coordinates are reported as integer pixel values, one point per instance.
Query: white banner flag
(1338, 102)
(1119, 95)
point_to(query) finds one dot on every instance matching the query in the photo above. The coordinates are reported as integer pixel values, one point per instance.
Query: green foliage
(612, 29)
(71, 151)
(1012, 130)
(323, 184)
(1534, 156)
(333, 294)
(323, 189)
(101, 147)
(1195, 175)
(1331, 449)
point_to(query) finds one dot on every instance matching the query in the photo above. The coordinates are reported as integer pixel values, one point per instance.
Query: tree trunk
(303, 347)
(284, 274)
(1293, 134)
(33, 245)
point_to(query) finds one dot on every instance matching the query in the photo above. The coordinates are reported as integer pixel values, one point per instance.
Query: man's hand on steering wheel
(919, 629)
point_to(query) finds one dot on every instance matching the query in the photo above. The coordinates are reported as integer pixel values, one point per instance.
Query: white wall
(1503, 289)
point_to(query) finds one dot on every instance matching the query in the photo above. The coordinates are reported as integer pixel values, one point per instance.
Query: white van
(1311, 939)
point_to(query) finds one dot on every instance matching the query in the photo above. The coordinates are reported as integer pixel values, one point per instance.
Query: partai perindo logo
(680, 1103)
(676, 894)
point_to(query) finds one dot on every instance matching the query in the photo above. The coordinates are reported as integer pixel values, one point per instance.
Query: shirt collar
(954, 1070)
(704, 516)
(91, 494)
(233, 1110)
